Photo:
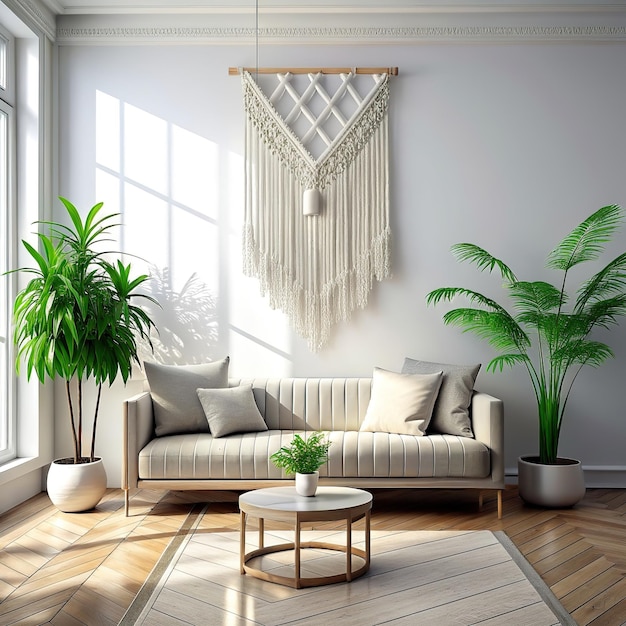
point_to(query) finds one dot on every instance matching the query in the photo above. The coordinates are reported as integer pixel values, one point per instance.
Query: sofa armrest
(488, 425)
(138, 431)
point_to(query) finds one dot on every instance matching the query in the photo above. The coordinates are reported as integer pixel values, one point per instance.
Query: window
(7, 161)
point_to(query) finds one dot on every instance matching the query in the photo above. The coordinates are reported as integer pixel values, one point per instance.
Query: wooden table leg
(348, 549)
(296, 547)
(261, 532)
(242, 542)
(367, 539)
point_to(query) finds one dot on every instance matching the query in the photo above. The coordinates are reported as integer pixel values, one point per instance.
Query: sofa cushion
(451, 411)
(177, 408)
(352, 454)
(401, 403)
(231, 410)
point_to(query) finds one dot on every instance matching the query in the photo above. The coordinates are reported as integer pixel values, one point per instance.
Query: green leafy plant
(549, 332)
(302, 456)
(75, 319)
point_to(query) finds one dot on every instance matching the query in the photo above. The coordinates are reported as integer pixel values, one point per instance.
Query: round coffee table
(283, 504)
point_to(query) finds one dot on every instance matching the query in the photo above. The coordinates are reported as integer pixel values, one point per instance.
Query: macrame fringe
(314, 314)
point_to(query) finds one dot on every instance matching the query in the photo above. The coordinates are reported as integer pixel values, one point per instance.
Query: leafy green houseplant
(75, 319)
(549, 331)
(303, 457)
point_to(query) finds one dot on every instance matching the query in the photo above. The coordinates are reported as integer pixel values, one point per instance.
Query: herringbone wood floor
(73, 569)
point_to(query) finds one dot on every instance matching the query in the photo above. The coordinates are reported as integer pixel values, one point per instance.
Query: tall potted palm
(550, 335)
(75, 320)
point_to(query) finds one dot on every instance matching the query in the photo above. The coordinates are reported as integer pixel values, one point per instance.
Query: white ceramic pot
(554, 486)
(75, 487)
(306, 484)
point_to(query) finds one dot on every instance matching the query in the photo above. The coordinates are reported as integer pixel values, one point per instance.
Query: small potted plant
(76, 320)
(303, 457)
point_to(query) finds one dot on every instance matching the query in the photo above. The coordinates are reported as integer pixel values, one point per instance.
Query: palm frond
(584, 352)
(482, 259)
(498, 328)
(605, 313)
(587, 240)
(507, 360)
(535, 297)
(446, 294)
(609, 280)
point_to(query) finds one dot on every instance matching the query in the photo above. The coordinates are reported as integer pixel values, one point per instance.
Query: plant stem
(95, 422)
(68, 391)
(80, 418)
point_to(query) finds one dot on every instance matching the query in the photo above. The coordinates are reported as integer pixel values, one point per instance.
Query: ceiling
(94, 7)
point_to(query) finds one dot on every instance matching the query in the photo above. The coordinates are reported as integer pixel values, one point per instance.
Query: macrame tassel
(311, 201)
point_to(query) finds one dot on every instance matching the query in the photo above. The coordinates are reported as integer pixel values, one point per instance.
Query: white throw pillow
(231, 410)
(401, 403)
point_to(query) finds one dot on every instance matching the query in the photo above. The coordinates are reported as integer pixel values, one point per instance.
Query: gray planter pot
(554, 486)
(73, 488)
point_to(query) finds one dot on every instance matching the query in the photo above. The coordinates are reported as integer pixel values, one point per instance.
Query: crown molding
(367, 24)
(335, 35)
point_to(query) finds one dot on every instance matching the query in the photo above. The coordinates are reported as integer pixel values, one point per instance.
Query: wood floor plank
(601, 604)
(581, 576)
(88, 605)
(591, 592)
(582, 559)
(611, 617)
(560, 556)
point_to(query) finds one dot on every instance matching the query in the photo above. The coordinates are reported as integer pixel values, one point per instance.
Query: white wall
(507, 146)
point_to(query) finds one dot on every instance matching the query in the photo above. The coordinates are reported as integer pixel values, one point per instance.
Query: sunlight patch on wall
(145, 150)
(195, 172)
(181, 203)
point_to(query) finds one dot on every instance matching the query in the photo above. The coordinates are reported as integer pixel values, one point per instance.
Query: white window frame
(8, 380)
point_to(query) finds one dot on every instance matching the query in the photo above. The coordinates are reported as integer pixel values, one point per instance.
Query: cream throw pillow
(401, 403)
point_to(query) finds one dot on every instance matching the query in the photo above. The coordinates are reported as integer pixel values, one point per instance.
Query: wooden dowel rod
(392, 71)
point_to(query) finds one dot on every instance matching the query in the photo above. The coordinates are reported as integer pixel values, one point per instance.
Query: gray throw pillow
(401, 403)
(231, 410)
(451, 412)
(177, 408)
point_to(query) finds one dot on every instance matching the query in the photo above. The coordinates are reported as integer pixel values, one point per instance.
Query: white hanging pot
(75, 487)
(556, 486)
(306, 484)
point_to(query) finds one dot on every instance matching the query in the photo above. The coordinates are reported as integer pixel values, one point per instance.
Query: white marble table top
(325, 499)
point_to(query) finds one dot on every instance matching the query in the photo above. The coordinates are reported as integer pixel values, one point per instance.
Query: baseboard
(596, 476)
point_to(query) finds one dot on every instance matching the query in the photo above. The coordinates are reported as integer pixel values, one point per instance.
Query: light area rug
(415, 577)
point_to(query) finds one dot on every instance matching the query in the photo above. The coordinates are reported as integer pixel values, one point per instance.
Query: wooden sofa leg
(126, 501)
(481, 500)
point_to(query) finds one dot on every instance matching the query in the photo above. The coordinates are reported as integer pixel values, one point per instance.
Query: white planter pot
(306, 484)
(74, 487)
(554, 486)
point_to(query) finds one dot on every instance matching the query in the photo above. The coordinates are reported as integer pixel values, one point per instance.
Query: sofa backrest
(311, 403)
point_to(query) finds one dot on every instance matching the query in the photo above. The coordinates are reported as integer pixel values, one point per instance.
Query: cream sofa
(240, 461)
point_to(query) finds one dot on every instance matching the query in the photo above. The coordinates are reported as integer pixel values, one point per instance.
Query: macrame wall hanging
(316, 225)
